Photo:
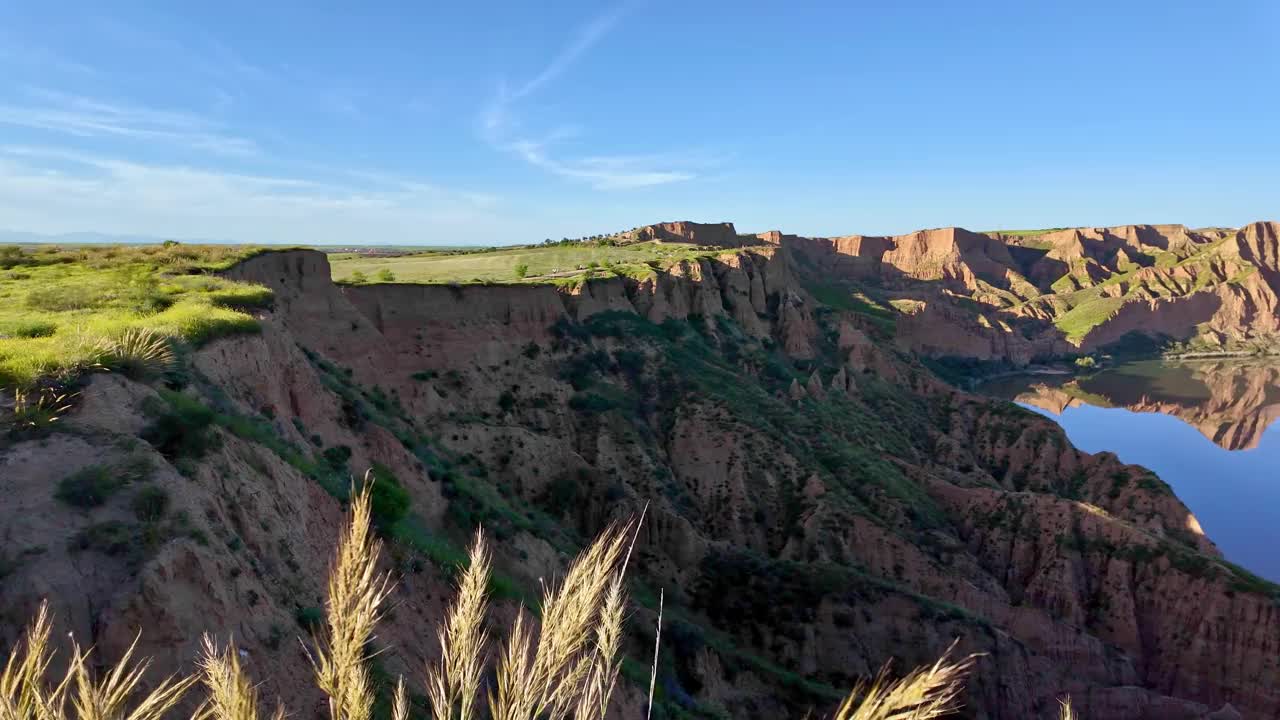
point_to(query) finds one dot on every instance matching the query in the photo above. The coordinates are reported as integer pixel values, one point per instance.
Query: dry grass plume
(565, 665)
(356, 594)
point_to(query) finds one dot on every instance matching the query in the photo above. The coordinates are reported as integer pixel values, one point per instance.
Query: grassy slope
(544, 263)
(58, 304)
(1088, 307)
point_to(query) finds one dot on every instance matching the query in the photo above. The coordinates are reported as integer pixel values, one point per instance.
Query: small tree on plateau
(358, 277)
(385, 275)
(521, 271)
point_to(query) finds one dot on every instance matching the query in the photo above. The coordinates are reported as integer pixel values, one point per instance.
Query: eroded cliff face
(818, 502)
(1018, 298)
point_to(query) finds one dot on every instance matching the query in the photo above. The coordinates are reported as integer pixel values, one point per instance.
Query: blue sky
(483, 122)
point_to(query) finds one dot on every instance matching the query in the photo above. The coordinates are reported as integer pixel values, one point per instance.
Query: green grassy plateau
(58, 305)
(540, 264)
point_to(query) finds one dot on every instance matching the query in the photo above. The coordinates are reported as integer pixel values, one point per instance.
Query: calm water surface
(1206, 427)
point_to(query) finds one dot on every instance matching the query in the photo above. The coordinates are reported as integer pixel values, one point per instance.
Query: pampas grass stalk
(567, 665)
(657, 645)
(924, 693)
(356, 595)
(1067, 712)
(112, 696)
(400, 702)
(23, 691)
(602, 676)
(454, 683)
(231, 695)
(552, 682)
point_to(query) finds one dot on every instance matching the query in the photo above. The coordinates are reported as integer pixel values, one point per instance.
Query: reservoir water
(1206, 427)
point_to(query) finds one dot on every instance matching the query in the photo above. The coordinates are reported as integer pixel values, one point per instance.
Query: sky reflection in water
(1207, 428)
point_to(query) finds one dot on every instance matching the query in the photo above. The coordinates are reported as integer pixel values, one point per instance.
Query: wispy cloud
(80, 116)
(502, 128)
(54, 190)
(587, 36)
(605, 173)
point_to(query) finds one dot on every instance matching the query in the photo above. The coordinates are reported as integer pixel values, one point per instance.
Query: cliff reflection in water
(1206, 427)
(1230, 402)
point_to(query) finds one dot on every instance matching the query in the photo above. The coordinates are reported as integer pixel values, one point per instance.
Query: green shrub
(309, 618)
(507, 401)
(385, 275)
(389, 501)
(88, 487)
(182, 426)
(92, 485)
(112, 538)
(592, 403)
(60, 298)
(150, 504)
(28, 329)
(337, 456)
(242, 296)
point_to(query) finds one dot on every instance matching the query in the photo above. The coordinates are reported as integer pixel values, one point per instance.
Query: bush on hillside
(150, 504)
(182, 426)
(389, 500)
(88, 487)
(138, 353)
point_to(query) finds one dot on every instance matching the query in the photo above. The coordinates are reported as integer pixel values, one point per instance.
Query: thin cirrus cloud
(79, 116)
(502, 128)
(53, 190)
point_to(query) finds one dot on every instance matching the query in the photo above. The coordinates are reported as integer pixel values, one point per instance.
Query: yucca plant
(138, 353)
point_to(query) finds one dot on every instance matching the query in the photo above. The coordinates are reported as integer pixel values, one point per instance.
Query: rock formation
(819, 502)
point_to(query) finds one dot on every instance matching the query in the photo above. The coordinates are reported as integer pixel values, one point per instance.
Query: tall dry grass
(232, 696)
(356, 594)
(926, 692)
(28, 693)
(564, 666)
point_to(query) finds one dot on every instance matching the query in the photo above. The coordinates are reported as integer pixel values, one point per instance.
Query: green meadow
(59, 305)
(537, 264)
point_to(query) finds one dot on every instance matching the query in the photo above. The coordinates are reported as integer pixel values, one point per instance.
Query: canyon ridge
(820, 496)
